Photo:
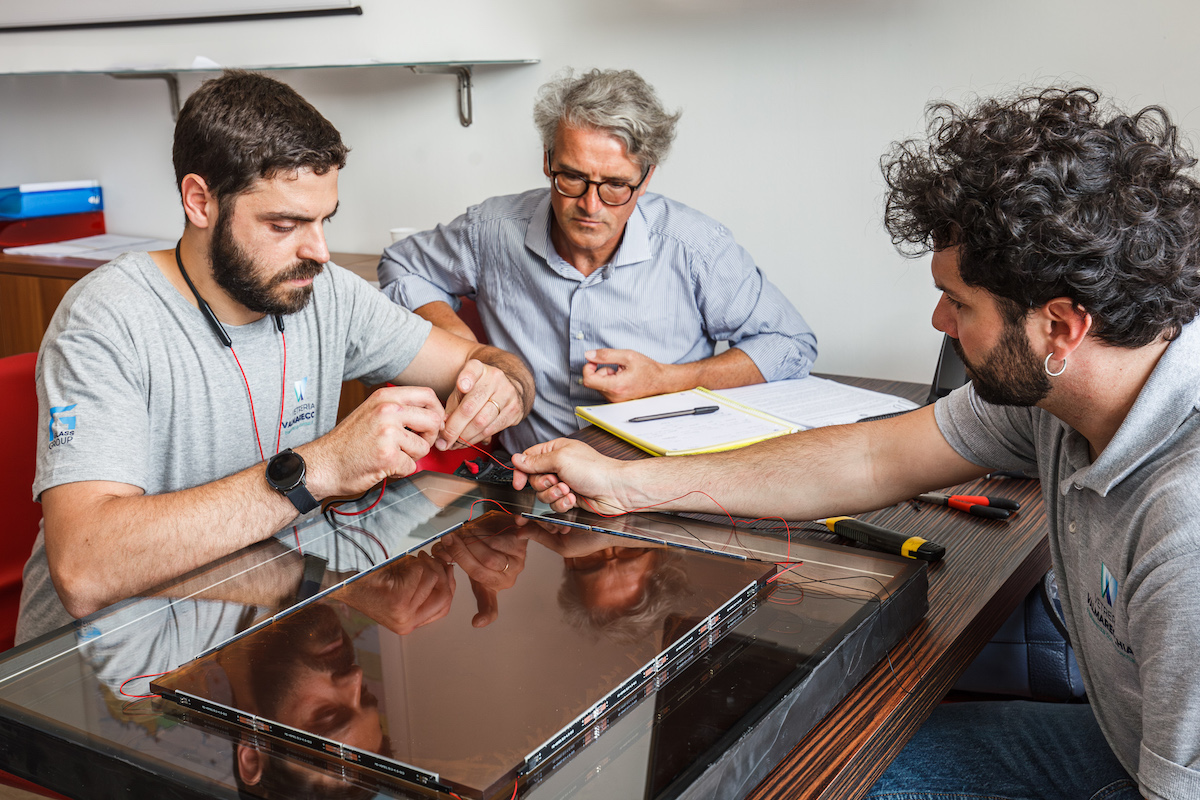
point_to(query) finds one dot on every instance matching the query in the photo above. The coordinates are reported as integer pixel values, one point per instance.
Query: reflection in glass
(71, 693)
(468, 690)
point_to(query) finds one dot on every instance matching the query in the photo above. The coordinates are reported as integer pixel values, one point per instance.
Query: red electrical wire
(486, 453)
(250, 396)
(121, 688)
(253, 416)
(733, 522)
(471, 510)
(382, 489)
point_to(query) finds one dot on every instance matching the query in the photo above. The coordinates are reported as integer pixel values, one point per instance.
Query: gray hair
(618, 102)
(667, 589)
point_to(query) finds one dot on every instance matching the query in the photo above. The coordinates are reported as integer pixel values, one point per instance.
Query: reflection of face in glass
(302, 673)
(624, 593)
(615, 578)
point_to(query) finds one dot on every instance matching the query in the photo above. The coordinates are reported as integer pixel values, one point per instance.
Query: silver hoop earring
(1046, 367)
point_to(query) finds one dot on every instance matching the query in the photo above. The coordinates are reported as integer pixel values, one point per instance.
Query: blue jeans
(1011, 750)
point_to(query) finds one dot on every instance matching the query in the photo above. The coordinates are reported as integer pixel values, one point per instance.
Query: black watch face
(285, 470)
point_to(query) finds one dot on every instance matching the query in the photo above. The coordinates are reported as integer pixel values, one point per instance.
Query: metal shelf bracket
(172, 86)
(463, 71)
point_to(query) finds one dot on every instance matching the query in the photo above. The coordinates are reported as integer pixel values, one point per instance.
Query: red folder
(59, 228)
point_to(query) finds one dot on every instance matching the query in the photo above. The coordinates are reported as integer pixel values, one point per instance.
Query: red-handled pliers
(977, 504)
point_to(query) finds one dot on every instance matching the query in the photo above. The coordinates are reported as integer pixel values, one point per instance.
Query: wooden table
(989, 568)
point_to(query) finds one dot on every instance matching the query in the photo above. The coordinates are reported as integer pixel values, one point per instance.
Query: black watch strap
(302, 499)
(310, 582)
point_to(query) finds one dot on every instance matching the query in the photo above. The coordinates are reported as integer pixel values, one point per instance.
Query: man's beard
(1010, 375)
(240, 276)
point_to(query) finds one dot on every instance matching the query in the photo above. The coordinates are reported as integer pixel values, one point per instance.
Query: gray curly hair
(617, 101)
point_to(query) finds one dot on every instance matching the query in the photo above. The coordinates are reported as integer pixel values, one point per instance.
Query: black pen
(689, 412)
(885, 540)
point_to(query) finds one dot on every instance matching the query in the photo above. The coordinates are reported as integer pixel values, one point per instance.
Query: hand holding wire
(484, 402)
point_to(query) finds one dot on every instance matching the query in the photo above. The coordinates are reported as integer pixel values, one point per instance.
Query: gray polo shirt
(1125, 543)
(135, 387)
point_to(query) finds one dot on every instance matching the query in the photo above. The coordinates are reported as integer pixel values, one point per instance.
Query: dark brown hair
(244, 126)
(1051, 195)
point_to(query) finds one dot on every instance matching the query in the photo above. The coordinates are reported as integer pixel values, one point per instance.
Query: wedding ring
(497, 405)
(506, 564)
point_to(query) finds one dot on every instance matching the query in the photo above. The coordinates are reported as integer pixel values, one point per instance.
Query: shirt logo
(304, 412)
(62, 427)
(1108, 585)
(1103, 612)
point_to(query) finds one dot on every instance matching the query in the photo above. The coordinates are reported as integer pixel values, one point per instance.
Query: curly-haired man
(1065, 239)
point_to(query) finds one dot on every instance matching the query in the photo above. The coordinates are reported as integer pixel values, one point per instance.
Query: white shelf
(460, 69)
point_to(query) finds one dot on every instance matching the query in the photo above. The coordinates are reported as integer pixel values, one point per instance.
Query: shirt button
(579, 335)
(1071, 527)
(1077, 485)
(579, 381)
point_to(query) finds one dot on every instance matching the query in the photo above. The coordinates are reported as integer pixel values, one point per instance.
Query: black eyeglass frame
(587, 185)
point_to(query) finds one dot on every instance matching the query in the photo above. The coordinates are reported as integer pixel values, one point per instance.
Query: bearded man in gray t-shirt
(1066, 240)
(188, 399)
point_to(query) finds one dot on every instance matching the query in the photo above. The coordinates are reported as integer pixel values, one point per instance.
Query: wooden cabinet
(31, 288)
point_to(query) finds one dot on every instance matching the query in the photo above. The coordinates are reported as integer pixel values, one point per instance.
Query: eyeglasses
(594, 561)
(611, 193)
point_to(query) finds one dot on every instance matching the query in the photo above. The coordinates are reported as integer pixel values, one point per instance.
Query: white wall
(787, 108)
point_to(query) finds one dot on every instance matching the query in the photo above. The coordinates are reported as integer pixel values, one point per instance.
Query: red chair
(19, 437)
(448, 460)
(18, 443)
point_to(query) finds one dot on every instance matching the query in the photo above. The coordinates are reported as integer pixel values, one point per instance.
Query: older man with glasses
(607, 292)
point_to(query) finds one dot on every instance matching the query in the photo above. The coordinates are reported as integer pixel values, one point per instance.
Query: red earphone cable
(250, 396)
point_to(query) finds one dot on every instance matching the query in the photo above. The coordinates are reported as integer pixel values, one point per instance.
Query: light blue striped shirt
(677, 284)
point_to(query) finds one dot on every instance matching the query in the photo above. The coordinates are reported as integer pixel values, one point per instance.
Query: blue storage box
(49, 199)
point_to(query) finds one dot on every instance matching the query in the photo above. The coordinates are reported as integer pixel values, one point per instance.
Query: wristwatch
(285, 474)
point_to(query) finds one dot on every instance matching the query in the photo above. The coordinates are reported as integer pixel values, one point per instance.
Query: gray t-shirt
(135, 387)
(1125, 543)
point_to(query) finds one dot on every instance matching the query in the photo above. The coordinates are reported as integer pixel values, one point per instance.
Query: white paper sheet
(815, 402)
(692, 432)
(104, 247)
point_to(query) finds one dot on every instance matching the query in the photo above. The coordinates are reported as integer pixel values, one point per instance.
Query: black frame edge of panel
(62, 764)
(893, 613)
(354, 11)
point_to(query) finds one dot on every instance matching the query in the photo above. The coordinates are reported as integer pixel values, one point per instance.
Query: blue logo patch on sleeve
(62, 427)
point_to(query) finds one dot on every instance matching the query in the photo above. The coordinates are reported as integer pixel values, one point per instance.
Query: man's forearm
(514, 368)
(443, 316)
(845, 469)
(115, 546)
(722, 371)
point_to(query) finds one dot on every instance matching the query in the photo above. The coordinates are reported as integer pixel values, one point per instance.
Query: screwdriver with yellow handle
(883, 539)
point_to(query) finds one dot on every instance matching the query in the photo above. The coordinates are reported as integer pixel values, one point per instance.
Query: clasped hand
(564, 472)
(492, 564)
(622, 375)
(402, 597)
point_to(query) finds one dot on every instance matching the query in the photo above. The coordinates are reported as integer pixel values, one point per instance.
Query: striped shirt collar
(633, 249)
